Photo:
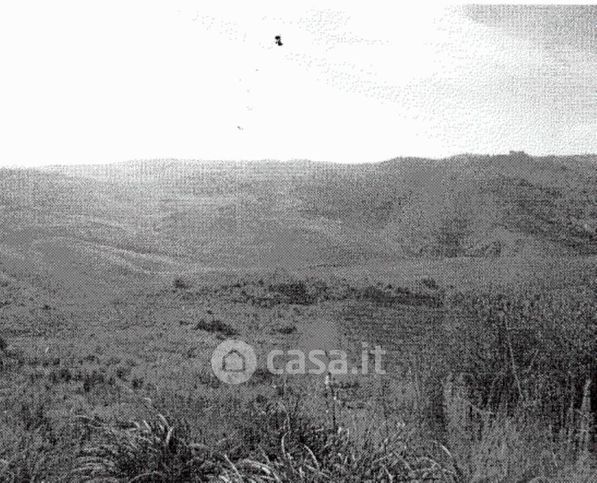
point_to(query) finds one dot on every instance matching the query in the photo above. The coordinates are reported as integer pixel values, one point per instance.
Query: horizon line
(290, 160)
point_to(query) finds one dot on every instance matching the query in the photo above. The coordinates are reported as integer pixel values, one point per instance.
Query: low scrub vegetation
(215, 325)
(504, 391)
(275, 445)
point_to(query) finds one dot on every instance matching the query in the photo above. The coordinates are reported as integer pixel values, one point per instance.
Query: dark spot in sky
(279, 40)
(239, 128)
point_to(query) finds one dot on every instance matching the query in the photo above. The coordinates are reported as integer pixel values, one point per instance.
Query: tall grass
(517, 394)
(513, 376)
(279, 444)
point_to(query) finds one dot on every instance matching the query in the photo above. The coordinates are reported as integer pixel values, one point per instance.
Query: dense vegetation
(503, 395)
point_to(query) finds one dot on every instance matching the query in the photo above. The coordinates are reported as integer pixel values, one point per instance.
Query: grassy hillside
(301, 213)
(476, 274)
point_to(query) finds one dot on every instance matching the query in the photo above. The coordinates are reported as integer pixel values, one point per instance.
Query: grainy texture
(432, 317)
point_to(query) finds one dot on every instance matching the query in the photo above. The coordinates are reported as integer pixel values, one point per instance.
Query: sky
(102, 81)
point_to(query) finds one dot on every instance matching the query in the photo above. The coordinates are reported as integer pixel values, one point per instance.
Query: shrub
(430, 283)
(180, 284)
(286, 329)
(216, 325)
(296, 292)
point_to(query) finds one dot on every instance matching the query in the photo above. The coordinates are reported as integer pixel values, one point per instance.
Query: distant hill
(167, 215)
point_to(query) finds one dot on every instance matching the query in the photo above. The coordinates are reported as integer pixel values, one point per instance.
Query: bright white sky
(112, 80)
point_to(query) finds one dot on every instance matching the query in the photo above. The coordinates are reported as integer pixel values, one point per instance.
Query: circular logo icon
(234, 361)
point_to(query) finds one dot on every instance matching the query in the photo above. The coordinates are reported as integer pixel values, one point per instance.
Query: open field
(477, 275)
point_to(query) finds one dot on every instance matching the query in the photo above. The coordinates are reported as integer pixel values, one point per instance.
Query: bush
(296, 292)
(216, 325)
(430, 283)
(286, 329)
(180, 284)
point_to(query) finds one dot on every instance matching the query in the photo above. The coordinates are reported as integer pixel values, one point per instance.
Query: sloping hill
(140, 218)
(467, 205)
